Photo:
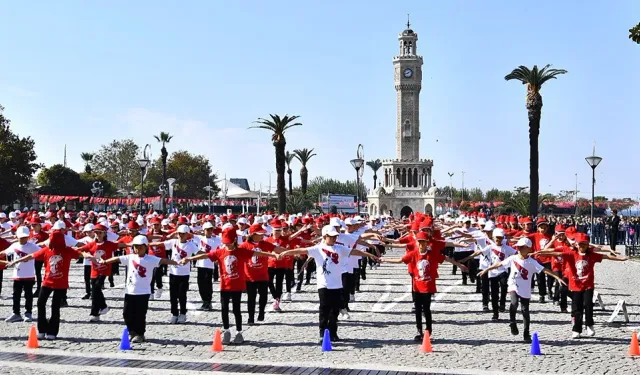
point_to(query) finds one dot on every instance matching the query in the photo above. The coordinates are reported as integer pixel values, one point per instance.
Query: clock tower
(408, 83)
(406, 180)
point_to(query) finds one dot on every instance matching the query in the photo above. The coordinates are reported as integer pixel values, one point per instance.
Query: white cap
(207, 225)
(358, 219)
(489, 226)
(242, 220)
(125, 216)
(227, 225)
(140, 240)
(258, 220)
(3, 215)
(59, 225)
(88, 228)
(523, 242)
(350, 221)
(482, 221)
(183, 229)
(335, 222)
(103, 221)
(194, 219)
(165, 222)
(328, 230)
(498, 232)
(22, 232)
(12, 215)
(140, 220)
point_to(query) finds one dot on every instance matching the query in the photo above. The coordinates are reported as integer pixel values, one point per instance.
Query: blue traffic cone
(124, 342)
(326, 341)
(535, 345)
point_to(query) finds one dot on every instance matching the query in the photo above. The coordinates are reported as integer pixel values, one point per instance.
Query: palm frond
(375, 165)
(86, 156)
(288, 158)
(303, 155)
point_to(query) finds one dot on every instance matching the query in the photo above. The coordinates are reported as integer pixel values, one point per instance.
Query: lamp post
(143, 163)
(593, 162)
(208, 188)
(170, 182)
(357, 164)
(451, 189)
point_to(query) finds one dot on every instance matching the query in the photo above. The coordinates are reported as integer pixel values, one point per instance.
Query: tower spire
(408, 21)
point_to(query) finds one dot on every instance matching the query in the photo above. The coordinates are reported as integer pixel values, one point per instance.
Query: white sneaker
(346, 314)
(226, 337)
(173, 320)
(158, 293)
(50, 337)
(28, 318)
(104, 311)
(151, 297)
(41, 336)
(352, 298)
(182, 318)
(575, 335)
(238, 339)
(286, 296)
(590, 331)
(276, 306)
(14, 318)
(95, 318)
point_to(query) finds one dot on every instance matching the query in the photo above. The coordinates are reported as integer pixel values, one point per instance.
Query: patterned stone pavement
(379, 335)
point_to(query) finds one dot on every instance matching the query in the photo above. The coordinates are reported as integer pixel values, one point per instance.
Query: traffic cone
(426, 343)
(326, 341)
(535, 345)
(634, 350)
(217, 341)
(124, 342)
(32, 342)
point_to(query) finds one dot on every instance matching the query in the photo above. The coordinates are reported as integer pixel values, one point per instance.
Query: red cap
(99, 228)
(182, 220)
(233, 217)
(426, 223)
(422, 236)
(224, 218)
(133, 225)
(276, 224)
(35, 220)
(526, 220)
(581, 238)
(415, 226)
(542, 221)
(229, 235)
(560, 228)
(256, 229)
(156, 220)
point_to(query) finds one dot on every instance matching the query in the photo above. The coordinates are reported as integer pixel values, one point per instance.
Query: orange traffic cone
(217, 341)
(634, 350)
(32, 342)
(426, 343)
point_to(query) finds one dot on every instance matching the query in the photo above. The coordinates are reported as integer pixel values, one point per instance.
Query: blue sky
(84, 73)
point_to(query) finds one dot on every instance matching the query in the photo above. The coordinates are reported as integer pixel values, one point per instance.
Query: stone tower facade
(406, 180)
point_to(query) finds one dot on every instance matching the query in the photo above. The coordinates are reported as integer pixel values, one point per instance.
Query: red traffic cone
(32, 342)
(217, 341)
(634, 350)
(426, 343)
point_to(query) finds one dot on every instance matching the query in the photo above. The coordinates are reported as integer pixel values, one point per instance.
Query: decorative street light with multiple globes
(593, 162)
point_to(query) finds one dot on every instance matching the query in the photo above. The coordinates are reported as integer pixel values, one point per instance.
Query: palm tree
(534, 79)
(303, 156)
(87, 157)
(278, 126)
(634, 33)
(288, 158)
(375, 165)
(163, 138)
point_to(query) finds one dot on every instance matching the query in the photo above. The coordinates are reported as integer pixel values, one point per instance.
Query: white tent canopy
(234, 191)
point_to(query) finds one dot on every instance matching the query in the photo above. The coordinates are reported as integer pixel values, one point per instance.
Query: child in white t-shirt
(522, 268)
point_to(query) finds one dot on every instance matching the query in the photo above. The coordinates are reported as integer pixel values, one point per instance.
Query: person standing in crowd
(205, 266)
(614, 224)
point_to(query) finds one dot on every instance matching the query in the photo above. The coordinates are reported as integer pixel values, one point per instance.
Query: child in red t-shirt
(231, 261)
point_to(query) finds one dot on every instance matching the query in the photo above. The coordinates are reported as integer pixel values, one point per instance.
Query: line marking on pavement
(192, 309)
(441, 295)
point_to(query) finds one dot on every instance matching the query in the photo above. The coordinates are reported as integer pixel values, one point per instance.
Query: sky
(84, 73)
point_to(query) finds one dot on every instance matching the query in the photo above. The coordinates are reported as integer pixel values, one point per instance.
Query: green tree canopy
(634, 33)
(60, 180)
(17, 162)
(117, 162)
(321, 185)
(192, 174)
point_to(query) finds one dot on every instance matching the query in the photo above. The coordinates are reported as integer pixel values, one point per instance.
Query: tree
(299, 202)
(60, 180)
(304, 155)
(634, 33)
(278, 126)
(17, 162)
(89, 179)
(192, 174)
(534, 79)
(320, 186)
(375, 165)
(87, 157)
(117, 162)
(163, 138)
(288, 158)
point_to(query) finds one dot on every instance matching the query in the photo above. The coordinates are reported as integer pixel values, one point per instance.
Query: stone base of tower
(401, 204)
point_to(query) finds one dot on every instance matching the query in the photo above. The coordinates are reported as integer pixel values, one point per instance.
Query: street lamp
(451, 190)
(170, 182)
(143, 163)
(593, 162)
(208, 188)
(357, 164)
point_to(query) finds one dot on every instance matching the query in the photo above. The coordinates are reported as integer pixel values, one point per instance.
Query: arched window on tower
(424, 181)
(406, 128)
(398, 177)
(410, 49)
(404, 177)
(415, 177)
(386, 177)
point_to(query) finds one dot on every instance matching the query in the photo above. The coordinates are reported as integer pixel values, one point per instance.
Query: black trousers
(363, 268)
(135, 313)
(422, 303)
(582, 303)
(178, 287)
(256, 288)
(205, 284)
(347, 284)
(561, 291)
(18, 287)
(310, 268)
(98, 301)
(235, 298)
(87, 279)
(156, 279)
(484, 284)
(38, 266)
(356, 279)
(330, 305)
(524, 302)
(543, 280)
(458, 255)
(613, 242)
(50, 326)
(498, 286)
(276, 278)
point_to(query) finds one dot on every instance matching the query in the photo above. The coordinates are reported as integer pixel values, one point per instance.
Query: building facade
(406, 180)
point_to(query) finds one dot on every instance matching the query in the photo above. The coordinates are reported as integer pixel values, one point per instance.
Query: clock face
(408, 73)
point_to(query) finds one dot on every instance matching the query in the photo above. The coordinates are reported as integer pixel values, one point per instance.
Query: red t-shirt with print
(285, 262)
(426, 269)
(256, 268)
(411, 246)
(56, 266)
(231, 264)
(556, 261)
(580, 268)
(4, 244)
(102, 251)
